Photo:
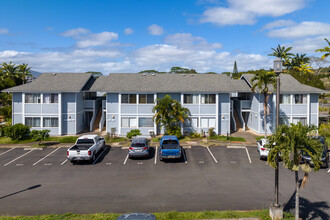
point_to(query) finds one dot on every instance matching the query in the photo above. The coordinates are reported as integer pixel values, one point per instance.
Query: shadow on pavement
(30, 188)
(308, 209)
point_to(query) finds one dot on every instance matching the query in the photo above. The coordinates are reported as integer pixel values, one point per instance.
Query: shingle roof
(289, 85)
(54, 82)
(128, 82)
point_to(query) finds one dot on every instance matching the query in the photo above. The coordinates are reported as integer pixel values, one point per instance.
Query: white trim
(23, 108)
(155, 125)
(308, 108)
(75, 129)
(106, 112)
(317, 120)
(259, 113)
(12, 109)
(229, 114)
(217, 113)
(137, 110)
(119, 113)
(59, 113)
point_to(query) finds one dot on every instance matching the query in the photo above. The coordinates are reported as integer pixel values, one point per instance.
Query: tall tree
(169, 114)
(290, 142)
(177, 69)
(260, 83)
(325, 50)
(283, 53)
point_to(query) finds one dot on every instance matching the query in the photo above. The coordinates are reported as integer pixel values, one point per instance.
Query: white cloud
(155, 29)
(99, 39)
(303, 29)
(4, 31)
(75, 33)
(187, 41)
(309, 45)
(278, 23)
(129, 31)
(245, 12)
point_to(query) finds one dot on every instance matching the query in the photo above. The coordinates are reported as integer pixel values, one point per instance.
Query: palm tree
(169, 114)
(283, 53)
(325, 49)
(263, 80)
(298, 61)
(290, 142)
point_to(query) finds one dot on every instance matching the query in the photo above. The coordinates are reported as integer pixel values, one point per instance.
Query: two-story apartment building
(66, 103)
(60, 102)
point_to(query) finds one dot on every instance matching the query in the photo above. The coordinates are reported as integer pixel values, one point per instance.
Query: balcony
(246, 105)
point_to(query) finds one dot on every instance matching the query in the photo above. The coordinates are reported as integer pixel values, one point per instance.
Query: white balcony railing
(246, 104)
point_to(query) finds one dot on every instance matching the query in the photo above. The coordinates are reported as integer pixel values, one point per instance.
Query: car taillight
(131, 148)
(89, 152)
(67, 153)
(263, 148)
(145, 148)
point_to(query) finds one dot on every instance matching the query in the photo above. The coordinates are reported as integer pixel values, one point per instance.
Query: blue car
(169, 147)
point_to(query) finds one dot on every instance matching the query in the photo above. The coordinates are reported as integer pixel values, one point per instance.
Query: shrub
(39, 135)
(133, 133)
(174, 131)
(17, 131)
(324, 129)
(194, 135)
(211, 132)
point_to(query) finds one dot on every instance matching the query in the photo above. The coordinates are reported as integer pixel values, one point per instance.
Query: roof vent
(183, 74)
(153, 74)
(192, 74)
(54, 74)
(144, 74)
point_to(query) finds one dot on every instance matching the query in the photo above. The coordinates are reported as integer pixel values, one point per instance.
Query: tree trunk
(297, 196)
(265, 117)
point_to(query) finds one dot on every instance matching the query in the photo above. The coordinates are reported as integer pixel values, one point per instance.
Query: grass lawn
(224, 138)
(7, 140)
(66, 139)
(117, 140)
(173, 215)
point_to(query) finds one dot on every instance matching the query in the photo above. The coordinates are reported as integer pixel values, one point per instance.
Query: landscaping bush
(211, 132)
(17, 131)
(194, 135)
(174, 131)
(39, 135)
(133, 133)
(324, 129)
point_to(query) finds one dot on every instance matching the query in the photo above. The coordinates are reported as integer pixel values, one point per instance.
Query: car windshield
(85, 141)
(170, 144)
(137, 145)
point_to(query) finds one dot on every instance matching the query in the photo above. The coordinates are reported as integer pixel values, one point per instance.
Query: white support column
(106, 112)
(137, 110)
(41, 107)
(274, 112)
(308, 108)
(155, 125)
(60, 114)
(76, 113)
(317, 120)
(182, 105)
(119, 113)
(199, 111)
(23, 108)
(217, 113)
(291, 119)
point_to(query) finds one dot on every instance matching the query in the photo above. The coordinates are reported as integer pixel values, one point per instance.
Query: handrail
(239, 113)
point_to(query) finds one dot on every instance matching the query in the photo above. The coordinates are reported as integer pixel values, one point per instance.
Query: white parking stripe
(212, 155)
(99, 155)
(247, 152)
(184, 156)
(45, 156)
(64, 162)
(18, 158)
(236, 147)
(7, 151)
(126, 159)
(156, 154)
(329, 171)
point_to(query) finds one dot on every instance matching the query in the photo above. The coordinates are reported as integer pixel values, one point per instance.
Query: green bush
(133, 133)
(174, 131)
(194, 135)
(324, 129)
(17, 131)
(211, 132)
(39, 135)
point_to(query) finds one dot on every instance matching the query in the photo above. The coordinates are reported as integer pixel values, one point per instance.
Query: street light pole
(277, 69)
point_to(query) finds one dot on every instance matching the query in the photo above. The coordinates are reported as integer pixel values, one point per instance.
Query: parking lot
(205, 178)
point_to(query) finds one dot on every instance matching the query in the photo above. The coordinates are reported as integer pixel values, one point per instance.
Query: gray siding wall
(254, 114)
(17, 108)
(68, 113)
(224, 113)
(80, 113)
(112, 117)
(314, 109)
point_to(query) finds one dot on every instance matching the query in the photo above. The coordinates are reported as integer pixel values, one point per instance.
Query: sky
(128, 36)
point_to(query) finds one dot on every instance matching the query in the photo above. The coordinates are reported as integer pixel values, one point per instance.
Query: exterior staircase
(97, 120)
(238, 122)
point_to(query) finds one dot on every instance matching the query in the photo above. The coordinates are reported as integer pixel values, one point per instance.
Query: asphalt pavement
(205, 178)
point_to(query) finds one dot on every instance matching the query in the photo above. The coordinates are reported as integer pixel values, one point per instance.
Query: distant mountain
(35, 73)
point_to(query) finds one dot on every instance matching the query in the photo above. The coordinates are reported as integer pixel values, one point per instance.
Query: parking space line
(329, 171)
(45, 156)
(156, 154)
(236, 147)
(64, 162)
(99, 156)
(7, 151)
(212, 155)
(18, 158)
(184, 156)
(247, 152)
(126, 159)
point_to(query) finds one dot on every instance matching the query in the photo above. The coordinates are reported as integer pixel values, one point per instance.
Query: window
(32, 98)
(302, 120)
(193, 122)
(285, 99)
(146, 98)
(128, 122)
(146, 122)
(190, 99)
(300, 99)
(32, 122)
(50, 122)
(50, 98)
(208, 122)
(128, 98)
(284, 121)
(208, 99)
